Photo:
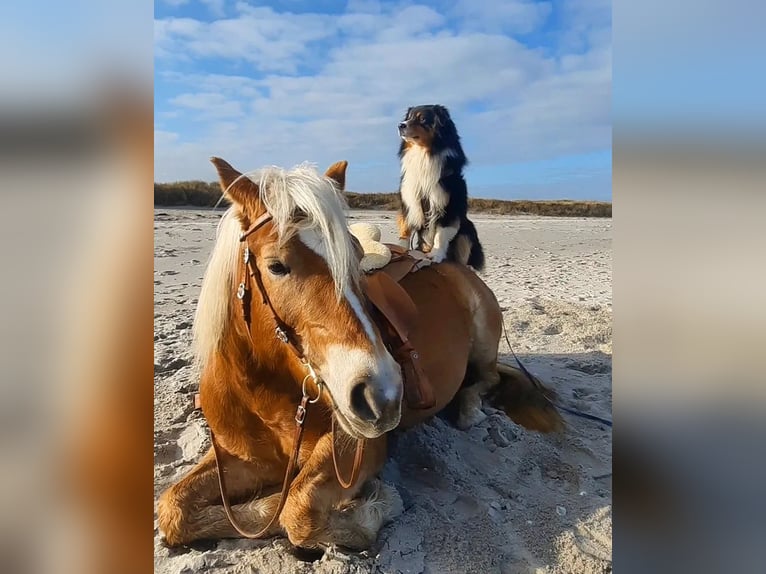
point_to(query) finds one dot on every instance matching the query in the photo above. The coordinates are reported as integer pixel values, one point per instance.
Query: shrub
(203, 194)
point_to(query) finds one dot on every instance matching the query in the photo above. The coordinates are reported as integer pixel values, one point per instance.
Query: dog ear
(443, 118)
(443, 114)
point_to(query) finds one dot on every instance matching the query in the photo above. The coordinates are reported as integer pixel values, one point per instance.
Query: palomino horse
(300, 279)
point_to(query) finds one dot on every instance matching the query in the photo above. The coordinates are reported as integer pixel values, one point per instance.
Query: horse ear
(232, 182)
(337, 173)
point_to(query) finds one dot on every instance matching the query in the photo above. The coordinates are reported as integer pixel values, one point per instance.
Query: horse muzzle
(375, 406)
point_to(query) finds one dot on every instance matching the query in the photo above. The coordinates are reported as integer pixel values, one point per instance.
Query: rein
(284, 334)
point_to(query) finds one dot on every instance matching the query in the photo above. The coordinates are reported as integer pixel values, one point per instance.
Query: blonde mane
(298, 199)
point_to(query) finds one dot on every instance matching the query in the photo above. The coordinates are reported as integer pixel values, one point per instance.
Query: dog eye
(278, 268)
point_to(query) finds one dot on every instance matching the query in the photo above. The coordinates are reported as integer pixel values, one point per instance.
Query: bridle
(286, 335)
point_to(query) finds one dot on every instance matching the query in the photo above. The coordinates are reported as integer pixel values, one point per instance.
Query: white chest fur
(420, 181)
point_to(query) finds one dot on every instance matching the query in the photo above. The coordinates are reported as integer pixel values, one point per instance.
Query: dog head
(428, 126)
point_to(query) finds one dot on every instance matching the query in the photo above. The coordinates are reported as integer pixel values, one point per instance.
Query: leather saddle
(398, 315)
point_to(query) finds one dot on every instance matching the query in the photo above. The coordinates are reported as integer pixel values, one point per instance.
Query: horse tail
(525, 400)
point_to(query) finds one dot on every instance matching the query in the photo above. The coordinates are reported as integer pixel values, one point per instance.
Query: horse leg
(319, 512)
(190, 509)
(481, 374)
(483, 378)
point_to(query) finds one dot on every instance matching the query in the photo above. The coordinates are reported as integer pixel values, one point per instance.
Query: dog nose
(373, 404)
(402, 125)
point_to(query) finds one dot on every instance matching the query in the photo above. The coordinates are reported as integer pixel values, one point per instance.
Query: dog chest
(420, 186)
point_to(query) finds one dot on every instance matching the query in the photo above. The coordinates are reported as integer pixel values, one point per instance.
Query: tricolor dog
(433, 191)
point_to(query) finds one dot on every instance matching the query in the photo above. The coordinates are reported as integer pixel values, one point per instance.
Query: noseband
(287, 336)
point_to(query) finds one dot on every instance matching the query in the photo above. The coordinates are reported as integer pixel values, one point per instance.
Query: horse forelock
(301, 199)
(298, 200)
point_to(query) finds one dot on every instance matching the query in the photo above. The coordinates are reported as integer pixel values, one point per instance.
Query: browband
(257, 224)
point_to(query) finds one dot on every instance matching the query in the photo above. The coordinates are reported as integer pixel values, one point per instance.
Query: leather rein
(284, 334)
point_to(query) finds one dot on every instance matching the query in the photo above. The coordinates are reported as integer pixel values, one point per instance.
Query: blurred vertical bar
(75, 334)
(689, 116)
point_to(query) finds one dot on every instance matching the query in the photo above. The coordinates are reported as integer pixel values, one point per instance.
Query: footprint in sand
(172, 365)
(554, 329)
(167, 453)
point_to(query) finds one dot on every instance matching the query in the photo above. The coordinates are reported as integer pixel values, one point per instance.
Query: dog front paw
(437, 256)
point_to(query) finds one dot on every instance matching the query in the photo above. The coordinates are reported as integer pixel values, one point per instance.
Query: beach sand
(494, 499)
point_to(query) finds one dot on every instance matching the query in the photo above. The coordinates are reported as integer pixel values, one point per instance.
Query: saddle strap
(420, 395)
(401, 313)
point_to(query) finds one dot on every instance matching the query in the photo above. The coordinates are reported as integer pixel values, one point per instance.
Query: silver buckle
(300, 414)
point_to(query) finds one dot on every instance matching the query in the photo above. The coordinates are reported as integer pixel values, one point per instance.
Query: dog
(434, 196)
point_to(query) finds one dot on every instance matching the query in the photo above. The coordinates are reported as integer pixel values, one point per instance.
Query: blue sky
(257, 83)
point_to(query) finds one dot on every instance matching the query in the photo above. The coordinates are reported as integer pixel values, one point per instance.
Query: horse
(283, 320)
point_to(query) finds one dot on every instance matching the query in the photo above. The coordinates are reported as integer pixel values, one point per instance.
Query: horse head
(302, 267)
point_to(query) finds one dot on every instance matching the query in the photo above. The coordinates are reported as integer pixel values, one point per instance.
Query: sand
(494, 499)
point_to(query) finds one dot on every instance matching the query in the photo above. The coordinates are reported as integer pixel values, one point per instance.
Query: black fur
(437, 121)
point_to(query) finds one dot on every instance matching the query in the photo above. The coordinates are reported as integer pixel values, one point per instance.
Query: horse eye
(278, 268)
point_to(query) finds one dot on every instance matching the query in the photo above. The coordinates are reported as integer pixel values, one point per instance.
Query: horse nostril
(363, 401)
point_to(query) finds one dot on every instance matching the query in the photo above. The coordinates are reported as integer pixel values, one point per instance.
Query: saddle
(398, 316)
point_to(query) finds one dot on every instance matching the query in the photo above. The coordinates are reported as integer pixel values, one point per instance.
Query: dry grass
(196, 193)
(202, 194)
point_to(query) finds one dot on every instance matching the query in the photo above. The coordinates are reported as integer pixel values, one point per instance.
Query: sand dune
(495, 499)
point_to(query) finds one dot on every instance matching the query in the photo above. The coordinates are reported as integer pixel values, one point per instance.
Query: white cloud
(502, 15)
(536, 105)
(215, 6)
(209, 105)
(267, 40)
(163, 138)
